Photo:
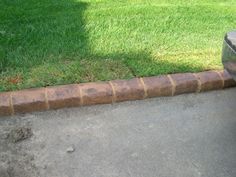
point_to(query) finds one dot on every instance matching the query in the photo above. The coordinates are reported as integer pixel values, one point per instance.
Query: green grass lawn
(51, 42)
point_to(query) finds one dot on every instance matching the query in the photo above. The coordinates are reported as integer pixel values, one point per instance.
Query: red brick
(158, 86)
(29, 100)
(5, 107)
(210, 80)
(128, 89)
(185, 83)
(228, 80)
(96, 93)
(63, 96)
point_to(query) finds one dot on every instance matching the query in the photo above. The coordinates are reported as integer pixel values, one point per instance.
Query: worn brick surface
(5, 108)
(158, 86)
(96, 93)
(185, 83)
(228, 80)
(210, 80)
(128, 89)
(63, 96)
(29, 100)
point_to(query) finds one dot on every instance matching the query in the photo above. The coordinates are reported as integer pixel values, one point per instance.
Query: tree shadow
(65, 55)
(142, 63)
(41, 31)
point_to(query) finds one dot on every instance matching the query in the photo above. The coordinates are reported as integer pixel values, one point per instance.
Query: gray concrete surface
(184, 136)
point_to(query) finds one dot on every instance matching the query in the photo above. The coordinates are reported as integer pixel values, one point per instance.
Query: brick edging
(40, 99)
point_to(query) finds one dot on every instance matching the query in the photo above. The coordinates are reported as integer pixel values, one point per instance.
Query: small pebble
(70, 149)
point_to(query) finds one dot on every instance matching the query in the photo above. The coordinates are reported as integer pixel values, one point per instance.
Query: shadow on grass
(55, 31)
(144, 64)
(34, 32)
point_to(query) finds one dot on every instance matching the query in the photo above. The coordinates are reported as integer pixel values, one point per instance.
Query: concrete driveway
(184, 136)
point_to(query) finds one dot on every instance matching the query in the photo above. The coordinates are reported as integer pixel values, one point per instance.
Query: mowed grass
(52, 42)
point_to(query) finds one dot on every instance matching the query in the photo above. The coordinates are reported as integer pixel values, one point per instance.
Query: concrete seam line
(11, 104)
(222, 79)
(173, 85)
(144, 87)
(46, 98)
(113, 91)
(198, 83)
(81, 96)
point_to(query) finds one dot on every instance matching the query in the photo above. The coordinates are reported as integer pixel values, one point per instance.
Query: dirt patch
(14, 160)
(19, 134)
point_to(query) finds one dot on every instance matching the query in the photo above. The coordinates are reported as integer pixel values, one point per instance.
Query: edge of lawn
(73, 95)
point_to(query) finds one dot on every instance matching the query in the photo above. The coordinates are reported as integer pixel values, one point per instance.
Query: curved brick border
(109, 92)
